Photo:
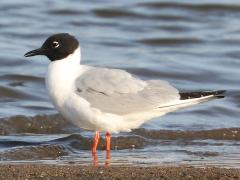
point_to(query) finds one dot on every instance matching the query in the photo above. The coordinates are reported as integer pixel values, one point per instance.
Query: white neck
(61, 77)
(74, 58)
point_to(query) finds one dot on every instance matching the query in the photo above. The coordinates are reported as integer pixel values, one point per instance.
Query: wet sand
(41, 171)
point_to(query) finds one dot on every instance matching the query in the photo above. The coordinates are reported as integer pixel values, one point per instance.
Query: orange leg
(108, 148)
(108, 141)
(95, 142)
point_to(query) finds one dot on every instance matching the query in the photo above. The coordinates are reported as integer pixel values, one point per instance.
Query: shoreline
(47, 171)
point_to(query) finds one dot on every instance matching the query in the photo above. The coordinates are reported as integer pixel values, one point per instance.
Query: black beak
(34, 52)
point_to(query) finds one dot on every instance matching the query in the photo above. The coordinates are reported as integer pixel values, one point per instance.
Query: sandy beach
(41, 171)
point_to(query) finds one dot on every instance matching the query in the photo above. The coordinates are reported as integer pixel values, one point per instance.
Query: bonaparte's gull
(103, 99)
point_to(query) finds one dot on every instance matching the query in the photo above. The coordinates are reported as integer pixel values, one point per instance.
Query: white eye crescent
(55, 44)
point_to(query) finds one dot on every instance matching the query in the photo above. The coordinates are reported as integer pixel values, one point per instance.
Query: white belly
(60, 82)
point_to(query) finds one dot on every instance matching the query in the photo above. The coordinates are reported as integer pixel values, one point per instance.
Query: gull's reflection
(108, 158)
(96, 162)
(95, 159)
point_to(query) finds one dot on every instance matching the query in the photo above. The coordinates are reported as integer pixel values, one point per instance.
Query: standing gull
(103, 99)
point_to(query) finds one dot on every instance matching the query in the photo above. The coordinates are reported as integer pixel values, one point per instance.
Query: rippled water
(193, 45)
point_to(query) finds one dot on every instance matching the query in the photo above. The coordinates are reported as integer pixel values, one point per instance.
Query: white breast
(61, 77)
(60, 82)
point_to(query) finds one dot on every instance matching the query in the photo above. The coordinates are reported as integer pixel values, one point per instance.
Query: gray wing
(118, 92)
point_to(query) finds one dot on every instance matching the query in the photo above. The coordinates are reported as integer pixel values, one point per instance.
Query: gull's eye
(55, 44)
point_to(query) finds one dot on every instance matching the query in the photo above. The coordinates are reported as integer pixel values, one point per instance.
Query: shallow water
(193, 45)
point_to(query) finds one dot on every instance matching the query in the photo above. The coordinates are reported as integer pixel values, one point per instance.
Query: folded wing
(118, 92)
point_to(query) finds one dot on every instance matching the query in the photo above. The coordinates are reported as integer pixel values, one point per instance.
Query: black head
(56, 47)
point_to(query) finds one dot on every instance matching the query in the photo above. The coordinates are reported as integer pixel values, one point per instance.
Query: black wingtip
(220, 97)
(192, 95)
(219, 94)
